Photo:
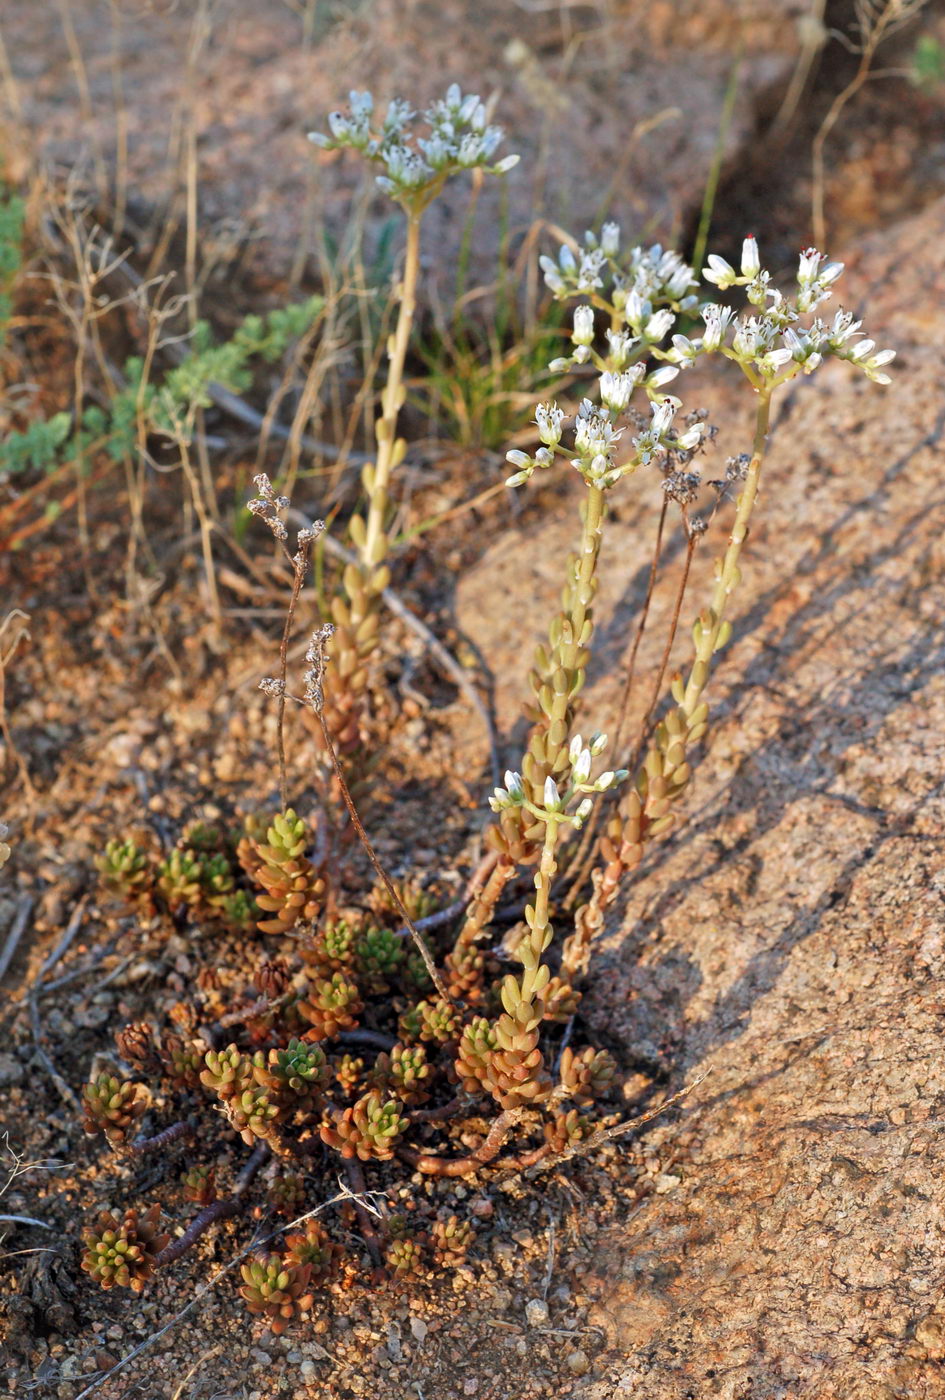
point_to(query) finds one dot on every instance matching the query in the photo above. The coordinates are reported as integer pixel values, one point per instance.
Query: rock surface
(790, 937)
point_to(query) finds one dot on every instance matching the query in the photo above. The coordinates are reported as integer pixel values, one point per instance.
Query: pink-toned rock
(790, 937)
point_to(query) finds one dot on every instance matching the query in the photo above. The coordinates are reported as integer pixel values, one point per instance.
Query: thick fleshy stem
(218, 1210)
(665, 770)
(160, 1140)
(356, 616)
(355, 1174)
(431, 1165)
(557, 680)
(517, 1075)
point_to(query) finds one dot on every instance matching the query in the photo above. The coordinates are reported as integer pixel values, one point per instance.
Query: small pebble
(11, 1071)
(578, 1363)
(536, 1312)
(418, 1329)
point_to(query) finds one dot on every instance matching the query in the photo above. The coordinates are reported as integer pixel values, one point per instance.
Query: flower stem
(665, 770)
(389, 447)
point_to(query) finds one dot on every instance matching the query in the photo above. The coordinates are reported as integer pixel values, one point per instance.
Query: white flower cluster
(413, 166)
(773, 346)
(642, 293)
(554, 802)
(647, 291)
(595, 434)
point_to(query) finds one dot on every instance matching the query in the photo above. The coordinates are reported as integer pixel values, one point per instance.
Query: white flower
(549, 418)
(664, 375)
(506, 164)
(598, 743)
(751, 260)
(663, 413)
(582, 813)
(593, 431)
(552, 798)
(720, 272)
(616, 389)
(517, 458)
(691, 437)
(717, 320)
(843, 328)
(685, 351)
(610, 239)
(621, 344)
(583, 333)
(658, 324)
(873, 366)
(580, 759)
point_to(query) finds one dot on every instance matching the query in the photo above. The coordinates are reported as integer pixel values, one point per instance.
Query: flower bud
(583, 332)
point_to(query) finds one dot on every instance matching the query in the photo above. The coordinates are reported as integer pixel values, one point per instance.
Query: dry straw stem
(876, 21)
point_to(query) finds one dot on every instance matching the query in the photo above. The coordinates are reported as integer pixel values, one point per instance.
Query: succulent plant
(465, 973)
(314, 1248)
(204, 838)
(452, 1240)
(126, 874)
(348, 1072)
(227, 1072)
(404, 1258)
(565, 1129)
(561, 1000)
(252, 836)
(135, 1043)
(414, 974)
(417, 901)
(298, 1074)
(113, 1106)
(180, 880)
(239, 911)
(276, 1289)
(369, 1130)
(122, 1251)
(272, 977)
(331, 948)
(216, 876)
(182, 1061)
(404, 1072)
(473, 1062)
(439, 1022)
(331, 1006)
(587, 1074)
(254, 1113)
(294, 890)
(410, 1024)
(379, 954)
(287, 1196)
(199, 1185)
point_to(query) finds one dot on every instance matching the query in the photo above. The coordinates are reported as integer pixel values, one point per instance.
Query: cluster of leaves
(165, 406)
(288, 1081)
